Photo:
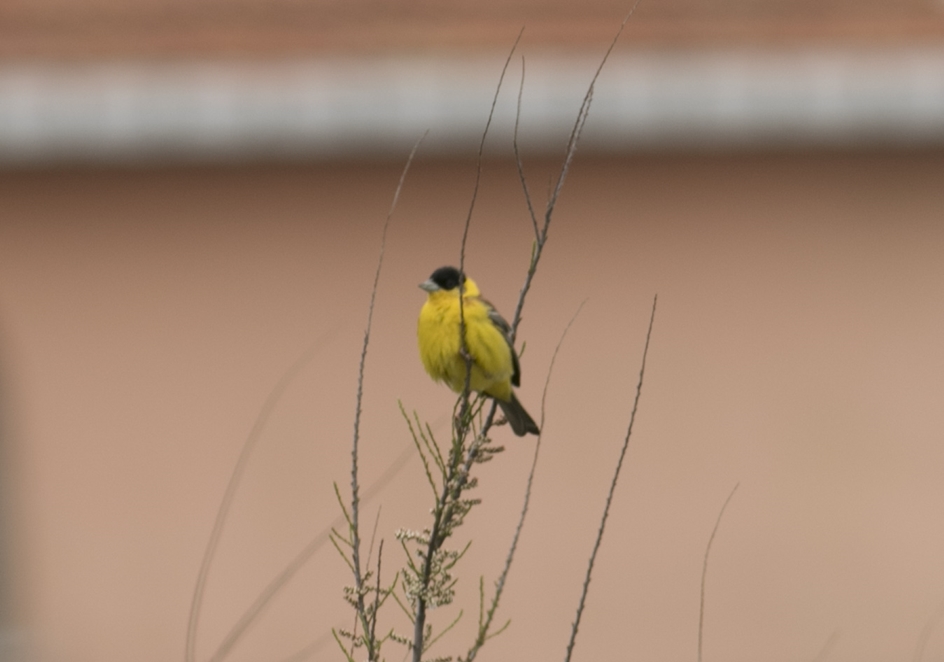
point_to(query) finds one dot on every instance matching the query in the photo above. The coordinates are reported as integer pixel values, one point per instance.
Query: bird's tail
(521, 423)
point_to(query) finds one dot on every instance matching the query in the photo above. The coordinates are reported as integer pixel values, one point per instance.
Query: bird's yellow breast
(440, 348)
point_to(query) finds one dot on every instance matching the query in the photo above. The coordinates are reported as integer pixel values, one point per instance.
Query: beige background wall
(145, 315)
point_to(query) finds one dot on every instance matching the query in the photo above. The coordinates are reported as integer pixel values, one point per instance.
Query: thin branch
(419, 448)
(582, 113)
(485, 624)
(550, 369)
(569, 153)
(344, 650)
(235, 477)
(704, 569)
(518, 163)
(445, 630)
(355, 497)
(478, 165)
(609, 496)
(373, 535)
(373, 619)
(430, 440)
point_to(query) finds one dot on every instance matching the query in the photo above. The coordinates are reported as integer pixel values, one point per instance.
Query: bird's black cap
(447, 278)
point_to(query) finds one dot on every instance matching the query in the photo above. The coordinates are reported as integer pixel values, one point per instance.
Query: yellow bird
(494, 362)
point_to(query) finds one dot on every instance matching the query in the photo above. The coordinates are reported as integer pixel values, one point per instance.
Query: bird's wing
(502, 325)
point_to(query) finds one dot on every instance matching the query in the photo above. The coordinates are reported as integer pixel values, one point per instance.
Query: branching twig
(704, 569)
(355, 497)
(609, 496)
(541, 233)
(541, 236)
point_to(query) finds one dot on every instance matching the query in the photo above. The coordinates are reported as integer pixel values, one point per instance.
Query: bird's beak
(429, 285)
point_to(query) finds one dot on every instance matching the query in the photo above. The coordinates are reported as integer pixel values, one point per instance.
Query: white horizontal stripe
(135, 111)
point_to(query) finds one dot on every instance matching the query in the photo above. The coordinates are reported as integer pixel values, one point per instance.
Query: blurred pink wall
(145, 315)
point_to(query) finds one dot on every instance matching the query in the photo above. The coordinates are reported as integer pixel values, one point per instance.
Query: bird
(495, 367)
